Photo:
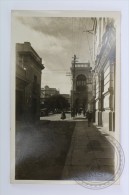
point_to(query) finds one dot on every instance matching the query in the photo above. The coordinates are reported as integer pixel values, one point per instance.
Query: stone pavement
(91, 155)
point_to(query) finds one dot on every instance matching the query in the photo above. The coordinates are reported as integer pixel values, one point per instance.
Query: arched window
(81, 82)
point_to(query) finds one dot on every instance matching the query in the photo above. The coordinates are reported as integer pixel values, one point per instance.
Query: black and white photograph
(65, 109)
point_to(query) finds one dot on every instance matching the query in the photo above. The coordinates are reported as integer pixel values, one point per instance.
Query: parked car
(44, 112)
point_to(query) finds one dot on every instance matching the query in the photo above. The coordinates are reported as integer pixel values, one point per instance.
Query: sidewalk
(90, 157)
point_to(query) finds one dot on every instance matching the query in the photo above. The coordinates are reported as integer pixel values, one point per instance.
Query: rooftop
(26, 47)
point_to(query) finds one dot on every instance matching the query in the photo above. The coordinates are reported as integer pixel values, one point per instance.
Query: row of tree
(56, 103)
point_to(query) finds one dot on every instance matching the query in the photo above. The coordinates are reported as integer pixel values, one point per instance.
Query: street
(62, 150)
(63, 85)
(57, 117)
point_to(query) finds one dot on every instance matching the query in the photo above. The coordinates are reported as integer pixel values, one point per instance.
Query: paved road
(41, 149)
(62, 150)
(56, 117)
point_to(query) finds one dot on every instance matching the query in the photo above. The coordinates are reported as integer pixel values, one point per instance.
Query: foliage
(56, 102)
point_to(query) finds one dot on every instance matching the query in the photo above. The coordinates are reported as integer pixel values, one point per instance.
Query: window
(35, 79)
(81, 82)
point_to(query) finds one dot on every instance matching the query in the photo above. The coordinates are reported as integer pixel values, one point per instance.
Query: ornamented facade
(104, 73)
(28, 82)
(81, 93)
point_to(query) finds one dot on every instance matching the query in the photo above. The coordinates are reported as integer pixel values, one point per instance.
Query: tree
(57, 102)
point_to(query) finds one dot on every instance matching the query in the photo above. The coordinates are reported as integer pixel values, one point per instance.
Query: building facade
(47, 92)
(81, 93)
(28, 82)
(104, 73)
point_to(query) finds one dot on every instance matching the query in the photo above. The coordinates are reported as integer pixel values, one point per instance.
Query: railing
(82, 65)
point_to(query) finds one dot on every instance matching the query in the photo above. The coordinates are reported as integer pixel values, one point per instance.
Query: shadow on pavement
(41, 149)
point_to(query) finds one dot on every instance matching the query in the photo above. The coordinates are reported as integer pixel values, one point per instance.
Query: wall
(104, 74)
(28, 74)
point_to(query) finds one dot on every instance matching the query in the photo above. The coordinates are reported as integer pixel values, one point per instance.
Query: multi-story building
(28, 82)
(104, 56)
(81, 93)
(47, 92)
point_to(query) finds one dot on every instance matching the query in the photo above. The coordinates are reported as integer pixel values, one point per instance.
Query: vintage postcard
(65, 104)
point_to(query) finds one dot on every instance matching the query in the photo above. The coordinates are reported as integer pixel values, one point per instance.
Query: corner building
(104, 73)
(28, 82)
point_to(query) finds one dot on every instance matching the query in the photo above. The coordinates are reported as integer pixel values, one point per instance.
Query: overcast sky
(56, 40)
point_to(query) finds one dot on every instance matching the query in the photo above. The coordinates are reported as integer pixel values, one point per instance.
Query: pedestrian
(72, 113)
(63, 116)
(89, 117)
(84, 112)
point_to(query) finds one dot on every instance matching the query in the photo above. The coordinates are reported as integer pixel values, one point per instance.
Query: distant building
(47, 92)
(81, 93)
(104, 72)
(28, 82)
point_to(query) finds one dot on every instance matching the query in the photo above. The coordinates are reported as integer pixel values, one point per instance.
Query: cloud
(56, 27)
(56, 40)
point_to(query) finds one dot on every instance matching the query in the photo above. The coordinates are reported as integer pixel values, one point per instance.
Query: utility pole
(74, 61)
(73, 72)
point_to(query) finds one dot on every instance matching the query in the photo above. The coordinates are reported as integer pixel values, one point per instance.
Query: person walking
(89, 117)
(84, 112)
(63, 116)
(72, 113)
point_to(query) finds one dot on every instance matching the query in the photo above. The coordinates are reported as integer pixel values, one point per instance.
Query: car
(44, 112)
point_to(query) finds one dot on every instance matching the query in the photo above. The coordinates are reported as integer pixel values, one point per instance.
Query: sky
(56, 40)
